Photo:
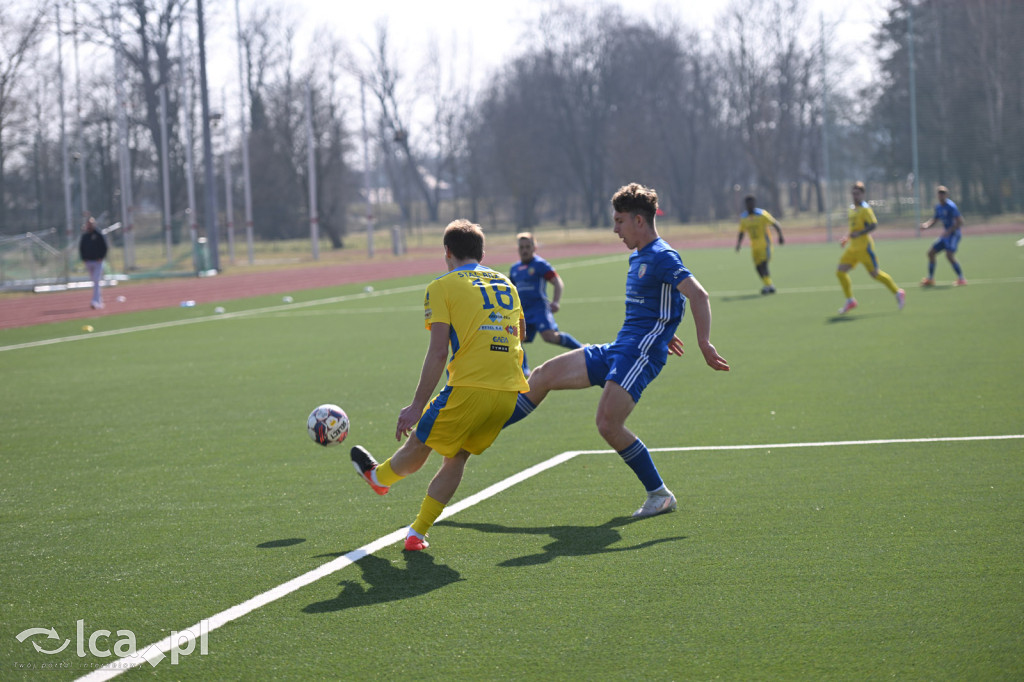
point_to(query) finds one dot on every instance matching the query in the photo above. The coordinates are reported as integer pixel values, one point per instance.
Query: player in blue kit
(531, 276)
(658, 286)
(947, 212)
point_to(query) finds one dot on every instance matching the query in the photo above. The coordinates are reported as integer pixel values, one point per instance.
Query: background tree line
(595, 97)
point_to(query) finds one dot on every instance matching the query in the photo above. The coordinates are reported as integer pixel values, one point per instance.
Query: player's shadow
(387, 582)
(835, 319)
(740, 297)
(568, 540)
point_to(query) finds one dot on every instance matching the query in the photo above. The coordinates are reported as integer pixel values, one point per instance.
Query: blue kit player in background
(658, 286)
(949, 214)
(531, 276)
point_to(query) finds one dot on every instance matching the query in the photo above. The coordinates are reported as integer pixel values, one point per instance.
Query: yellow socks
(385, 475)
(429, 511)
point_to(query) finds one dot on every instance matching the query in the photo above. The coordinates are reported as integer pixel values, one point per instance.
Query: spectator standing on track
(92, 248)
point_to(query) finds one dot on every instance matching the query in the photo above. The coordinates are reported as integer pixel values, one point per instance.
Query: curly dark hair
(636, 199)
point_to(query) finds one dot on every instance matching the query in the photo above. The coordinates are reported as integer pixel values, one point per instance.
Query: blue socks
(959, 272)
(638, 457)
(568, 341)
(523, 408)
(931, 269)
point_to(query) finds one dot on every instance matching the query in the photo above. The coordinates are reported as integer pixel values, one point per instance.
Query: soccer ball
(327, 425)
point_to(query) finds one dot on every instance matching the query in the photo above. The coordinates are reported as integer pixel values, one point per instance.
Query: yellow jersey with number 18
(484, 312)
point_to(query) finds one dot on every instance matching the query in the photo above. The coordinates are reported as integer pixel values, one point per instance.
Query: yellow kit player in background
(476, 311)
(860, 248)
(755, 222)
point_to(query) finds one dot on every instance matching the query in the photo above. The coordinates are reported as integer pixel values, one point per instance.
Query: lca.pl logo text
(97, 644)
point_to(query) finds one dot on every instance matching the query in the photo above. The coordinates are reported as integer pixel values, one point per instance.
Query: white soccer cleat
(656, 503)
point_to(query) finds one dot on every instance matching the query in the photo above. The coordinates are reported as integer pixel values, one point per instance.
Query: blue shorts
(539, 319)
(624, 366)
(950, 243)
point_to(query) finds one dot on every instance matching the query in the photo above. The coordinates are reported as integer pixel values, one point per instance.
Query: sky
(489, 30)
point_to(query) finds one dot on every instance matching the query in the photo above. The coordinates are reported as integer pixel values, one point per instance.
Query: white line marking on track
(214, 318)
(153, 651)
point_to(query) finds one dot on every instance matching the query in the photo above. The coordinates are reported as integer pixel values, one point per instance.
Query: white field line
(295, 307)
(214, 317)
(185, 639)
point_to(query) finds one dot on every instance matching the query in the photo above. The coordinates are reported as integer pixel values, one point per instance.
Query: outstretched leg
(568, 370)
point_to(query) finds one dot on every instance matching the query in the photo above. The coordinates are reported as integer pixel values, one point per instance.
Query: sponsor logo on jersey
(634, 299)
(491, 328)
(499, 347)
(499, 339)
(427, 314)
(513, 330)
(495, 317)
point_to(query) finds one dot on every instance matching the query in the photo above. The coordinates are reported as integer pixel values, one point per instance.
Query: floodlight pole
(242, 118)
(824, 132)
(65, 175)
(210, 205)
(913, 119)
(366, 170)
(314, 216)
(165, 171)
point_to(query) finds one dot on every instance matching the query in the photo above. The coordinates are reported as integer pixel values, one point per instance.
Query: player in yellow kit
(860, 248)
(755, 222)
(476, 311)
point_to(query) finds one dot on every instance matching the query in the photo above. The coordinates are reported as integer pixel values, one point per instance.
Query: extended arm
(739, 240)
(557, 287)
(430, 374)
(778, 231)
(700, 309)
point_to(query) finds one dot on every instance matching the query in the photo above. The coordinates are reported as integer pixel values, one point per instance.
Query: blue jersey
(531, 280)
(947, 212)
(654, 306)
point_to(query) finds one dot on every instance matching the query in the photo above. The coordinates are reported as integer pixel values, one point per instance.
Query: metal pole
(314, 218)
(824, 132)
(243, 114)
(229, 205)
(165, 172)
(65, 174)
(913, 119)
(79, 126)
(210, 205)
(125, 160)
(186, 124)
(366, 171)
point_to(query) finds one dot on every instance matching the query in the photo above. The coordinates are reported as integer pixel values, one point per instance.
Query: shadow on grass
(852, 317)
(739, 297)
(568, 540)
(388, 582)
(283, 542)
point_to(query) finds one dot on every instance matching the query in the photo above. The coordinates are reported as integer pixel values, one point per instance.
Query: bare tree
(19, 37)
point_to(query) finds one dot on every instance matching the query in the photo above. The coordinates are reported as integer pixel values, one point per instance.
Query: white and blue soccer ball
(327, 425)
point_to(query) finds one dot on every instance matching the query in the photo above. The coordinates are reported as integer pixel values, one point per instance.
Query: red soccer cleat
(415, 544)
